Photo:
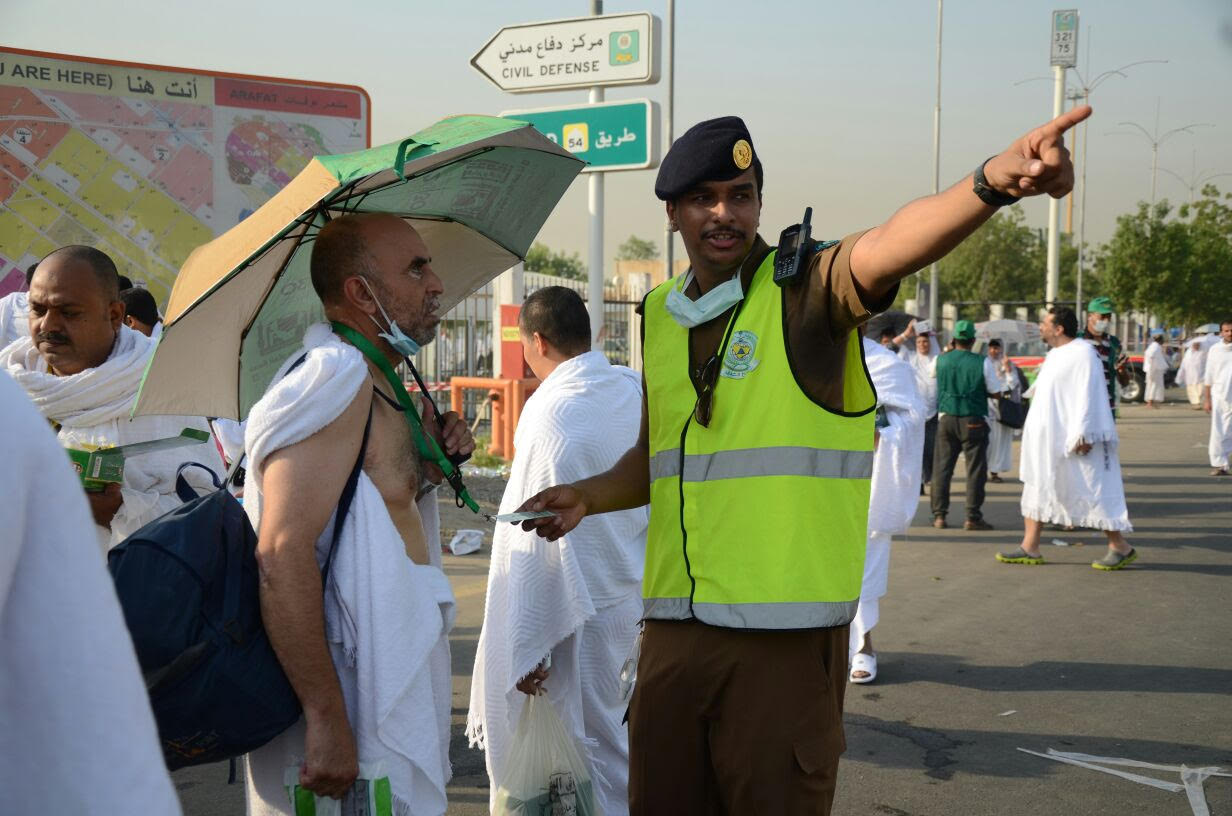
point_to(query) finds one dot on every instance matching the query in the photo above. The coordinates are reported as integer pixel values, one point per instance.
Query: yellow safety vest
(758, 521)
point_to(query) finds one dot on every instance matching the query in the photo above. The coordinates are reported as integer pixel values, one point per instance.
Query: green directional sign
(620, 135)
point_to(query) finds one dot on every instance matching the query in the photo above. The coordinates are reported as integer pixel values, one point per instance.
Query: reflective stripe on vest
(758, 521)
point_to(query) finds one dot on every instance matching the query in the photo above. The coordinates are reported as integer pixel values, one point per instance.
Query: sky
(838, 97)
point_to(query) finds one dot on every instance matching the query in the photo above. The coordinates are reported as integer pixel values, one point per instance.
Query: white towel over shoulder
(387, 619)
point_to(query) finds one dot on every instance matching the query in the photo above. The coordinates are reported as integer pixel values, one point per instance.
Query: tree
(635, 249)
(1211, 256)
(1146, 265)
(541, 259)
(1001, 261)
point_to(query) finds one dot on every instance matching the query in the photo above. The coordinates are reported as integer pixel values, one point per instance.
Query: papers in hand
(526, 515)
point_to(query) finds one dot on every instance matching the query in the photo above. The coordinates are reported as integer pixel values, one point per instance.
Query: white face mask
(1102, 326)
(689, 313)
(402, 344)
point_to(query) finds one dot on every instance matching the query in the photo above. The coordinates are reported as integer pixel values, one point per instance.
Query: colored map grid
(148, 179)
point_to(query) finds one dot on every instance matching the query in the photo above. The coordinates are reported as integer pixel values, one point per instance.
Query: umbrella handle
(407, 147)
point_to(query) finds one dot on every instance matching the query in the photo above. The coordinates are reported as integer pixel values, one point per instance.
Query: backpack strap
(348, 495)
(183, 489)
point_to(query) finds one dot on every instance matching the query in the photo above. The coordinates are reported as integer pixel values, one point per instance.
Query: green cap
(964, 330)
(1100, 305)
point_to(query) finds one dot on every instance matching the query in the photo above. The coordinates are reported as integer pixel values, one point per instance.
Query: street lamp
(1196, 180)
(1156, 139)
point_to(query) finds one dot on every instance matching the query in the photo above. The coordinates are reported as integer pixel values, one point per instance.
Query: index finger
(1055, 129)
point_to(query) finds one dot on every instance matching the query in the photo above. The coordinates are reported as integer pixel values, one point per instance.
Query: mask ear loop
(388, 323)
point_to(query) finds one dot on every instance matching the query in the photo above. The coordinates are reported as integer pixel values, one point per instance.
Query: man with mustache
(369, 661)
(81, 366)
(755, 455)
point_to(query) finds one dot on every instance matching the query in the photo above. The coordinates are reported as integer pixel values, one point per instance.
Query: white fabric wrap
(14, 317)
(897, 463)
(578, 597)
(1218, 376)
(1069, 405)
(92, 409)
(387, 619)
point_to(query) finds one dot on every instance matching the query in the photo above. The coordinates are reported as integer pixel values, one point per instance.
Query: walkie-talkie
(791, 262)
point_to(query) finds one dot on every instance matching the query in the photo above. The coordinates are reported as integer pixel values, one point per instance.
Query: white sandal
(864, 662)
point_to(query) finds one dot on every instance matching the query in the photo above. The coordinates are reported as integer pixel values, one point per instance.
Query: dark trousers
(970, 435)
(735, 721)
(930, 439)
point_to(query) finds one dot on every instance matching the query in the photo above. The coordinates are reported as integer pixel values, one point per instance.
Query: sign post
(618, 135)
(1063, 54)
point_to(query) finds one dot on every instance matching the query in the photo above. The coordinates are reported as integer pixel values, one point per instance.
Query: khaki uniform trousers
(736, 721)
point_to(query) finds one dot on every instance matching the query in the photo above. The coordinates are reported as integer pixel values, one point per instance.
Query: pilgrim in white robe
(895, 489)
(1191, 370)
(577, 598)
(92, 410)
(77, 734)
(1001, 437)
(1218, 377)
(14, 317)
(1069, 406)
(387, 619)
(1154, 365)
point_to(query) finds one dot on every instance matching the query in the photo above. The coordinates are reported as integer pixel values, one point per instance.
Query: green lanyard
(428, 449)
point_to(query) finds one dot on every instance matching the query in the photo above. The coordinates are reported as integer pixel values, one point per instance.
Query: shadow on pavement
(1050, 675)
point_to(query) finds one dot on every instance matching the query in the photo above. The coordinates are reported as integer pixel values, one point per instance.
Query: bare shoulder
(301, 483)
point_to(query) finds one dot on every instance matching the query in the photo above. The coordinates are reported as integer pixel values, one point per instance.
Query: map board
(147, 162)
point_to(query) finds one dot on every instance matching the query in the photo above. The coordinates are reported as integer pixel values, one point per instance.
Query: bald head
(343, 249)
(99, 263)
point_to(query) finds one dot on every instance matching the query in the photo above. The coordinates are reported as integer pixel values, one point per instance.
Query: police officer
(755, 454)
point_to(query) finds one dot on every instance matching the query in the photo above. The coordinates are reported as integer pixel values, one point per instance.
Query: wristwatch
(987, 194)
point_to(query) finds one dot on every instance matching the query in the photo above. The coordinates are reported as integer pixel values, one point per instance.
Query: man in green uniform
(964, 385)
(755, 455)
(1097, 333)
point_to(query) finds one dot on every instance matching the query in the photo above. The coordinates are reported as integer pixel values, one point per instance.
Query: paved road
(980, 658)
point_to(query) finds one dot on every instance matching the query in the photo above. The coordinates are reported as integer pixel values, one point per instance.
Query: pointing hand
(1037, 162)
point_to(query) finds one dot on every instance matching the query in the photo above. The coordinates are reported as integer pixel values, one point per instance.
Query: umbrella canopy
(895, 320)
(1207, 328)
(476, 188)
(1008, 331)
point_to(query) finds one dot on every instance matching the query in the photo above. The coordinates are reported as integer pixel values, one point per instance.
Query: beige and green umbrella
(477, 188)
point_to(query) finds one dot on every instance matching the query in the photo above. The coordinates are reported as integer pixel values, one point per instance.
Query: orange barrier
(507, 396)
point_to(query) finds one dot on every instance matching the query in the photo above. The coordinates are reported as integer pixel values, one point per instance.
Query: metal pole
(1054, 205)
(934, 285)
(595, 288)
(669, 238)
(1155, 152)
(1082, 214)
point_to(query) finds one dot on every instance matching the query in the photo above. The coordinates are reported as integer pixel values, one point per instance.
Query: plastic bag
(546, 775)
(465, 542)
(369, 796)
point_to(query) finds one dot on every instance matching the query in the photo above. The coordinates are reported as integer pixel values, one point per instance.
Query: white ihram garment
(14, 317)
(77, 734)
(578, 597)
(895, 482)
(1192, 369)
(1154, 364)
(387, 619)
(1219, 377)
(1069, 405)
(92, 409)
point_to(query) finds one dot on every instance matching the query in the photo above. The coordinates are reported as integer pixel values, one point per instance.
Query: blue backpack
(188, 585)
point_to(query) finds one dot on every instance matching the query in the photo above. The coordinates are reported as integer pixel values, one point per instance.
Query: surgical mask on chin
(1102, 326)
(395, 337)
(689, 313)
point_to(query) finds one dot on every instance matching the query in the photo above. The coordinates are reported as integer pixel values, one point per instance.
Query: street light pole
(669, 238)
(1054, 204)
(934, 285)
(594, 290)
(1156, 139)
(1196, 179)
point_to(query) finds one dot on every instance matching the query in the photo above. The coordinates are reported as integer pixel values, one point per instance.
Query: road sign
(583, 52)
(620, 135)
(1065, 38)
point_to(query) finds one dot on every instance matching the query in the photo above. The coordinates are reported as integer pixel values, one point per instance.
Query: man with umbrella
(755, 456)
(369, 683)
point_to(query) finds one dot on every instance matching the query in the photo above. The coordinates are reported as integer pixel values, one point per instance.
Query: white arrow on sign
(583, 52)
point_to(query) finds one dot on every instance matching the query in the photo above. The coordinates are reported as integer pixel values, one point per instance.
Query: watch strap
(986, 193)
